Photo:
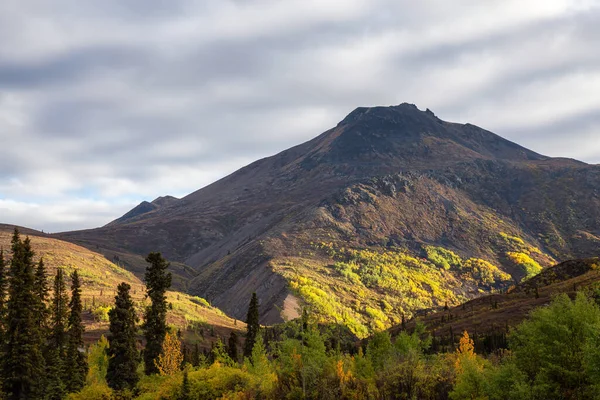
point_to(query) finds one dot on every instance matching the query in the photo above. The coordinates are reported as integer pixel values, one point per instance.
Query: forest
(554, 354)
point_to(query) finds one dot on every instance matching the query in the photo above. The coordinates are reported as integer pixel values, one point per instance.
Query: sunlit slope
(100, 277)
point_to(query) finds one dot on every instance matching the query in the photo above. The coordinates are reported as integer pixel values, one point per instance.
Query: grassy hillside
(100, 277)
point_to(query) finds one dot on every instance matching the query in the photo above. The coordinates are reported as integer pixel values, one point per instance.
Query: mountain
(99, 277)
(390, 212)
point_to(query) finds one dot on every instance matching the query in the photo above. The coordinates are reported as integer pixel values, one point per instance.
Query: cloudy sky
(104, 104)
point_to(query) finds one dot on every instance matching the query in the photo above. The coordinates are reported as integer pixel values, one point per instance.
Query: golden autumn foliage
(170, 359)
(465, 351)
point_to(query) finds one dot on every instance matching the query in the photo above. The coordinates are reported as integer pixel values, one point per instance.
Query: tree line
(42, 353)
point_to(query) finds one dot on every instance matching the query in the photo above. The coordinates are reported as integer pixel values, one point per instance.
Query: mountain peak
(390, 113)
(402, 135)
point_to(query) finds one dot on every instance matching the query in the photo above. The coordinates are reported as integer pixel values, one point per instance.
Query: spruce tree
(252, 326)
(3, 286)
(158, 280)
(42, 292)
(232, 346)
(59, 315)
(184, 394)
(76, 367)
(123, 355)
(55, 386)
(22, 361)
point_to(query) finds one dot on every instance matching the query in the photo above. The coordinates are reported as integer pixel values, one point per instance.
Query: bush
(100, 313)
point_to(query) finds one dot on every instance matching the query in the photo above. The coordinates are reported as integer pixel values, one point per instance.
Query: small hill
(100, 277)
(497, 312)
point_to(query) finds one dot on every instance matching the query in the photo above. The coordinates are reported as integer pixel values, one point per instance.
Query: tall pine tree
(42, 292)
(232, 346)
(3, 286)
(252, 326)
(122, 351)
(22, 361)
(158, 280)
(57, 343)
(76, 367)
(59, 314)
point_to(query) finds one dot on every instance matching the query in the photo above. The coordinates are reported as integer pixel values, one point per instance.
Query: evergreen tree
(232, 346)
(185, 387)
(76, 362)
(252, 326)
(3, 286)
(22, 361)
(42, 293)
(59, 315)
(55, 388)
(155, 317)
(196, 355)
(123, 355)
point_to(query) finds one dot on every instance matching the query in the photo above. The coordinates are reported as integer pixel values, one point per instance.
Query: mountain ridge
(383, 177)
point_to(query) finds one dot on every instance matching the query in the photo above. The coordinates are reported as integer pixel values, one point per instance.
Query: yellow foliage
(465, 351)
(342, 375)
(170, 359)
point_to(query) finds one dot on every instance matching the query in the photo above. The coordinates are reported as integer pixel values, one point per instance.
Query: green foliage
(528, 265)
(443, 258)
(252, 326)
(185, 387)
(155, 316)
(100, 313)
(42, 291)
(76, 366)
(97, 359)
(59, 314)
(23, 369)
(123, 355)
(232, 346)
(3, 287)
(551, 348)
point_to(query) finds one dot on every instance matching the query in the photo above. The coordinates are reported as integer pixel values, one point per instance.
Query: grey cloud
(130, 103)
(67, 68)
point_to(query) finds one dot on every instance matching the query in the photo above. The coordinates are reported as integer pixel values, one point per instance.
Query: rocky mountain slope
(390, 212)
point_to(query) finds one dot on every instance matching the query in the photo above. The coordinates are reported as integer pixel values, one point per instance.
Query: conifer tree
(185, 387)
(232, 346)
(155, 316)
(55, 386)
(196, 355)
(42, 293)
(123, 355)
(252, 326)
(22, 361)
(3, 287)
(59, 315)
(76, 362)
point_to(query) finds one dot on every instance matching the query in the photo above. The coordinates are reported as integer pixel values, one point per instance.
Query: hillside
(498, 312)
(442, 200)
(100, 277)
